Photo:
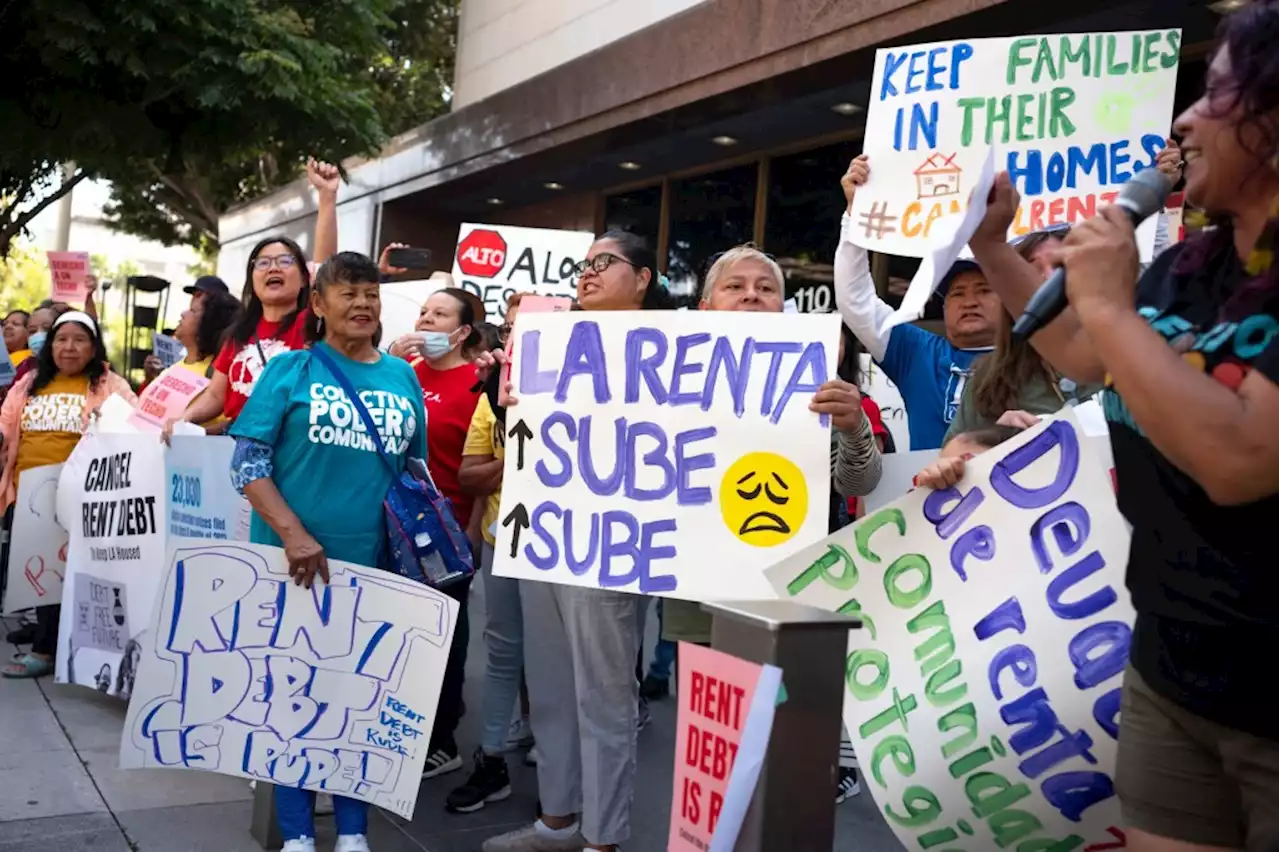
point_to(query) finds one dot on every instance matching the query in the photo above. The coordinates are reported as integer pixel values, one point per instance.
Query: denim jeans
(295, 811)
(504, 639)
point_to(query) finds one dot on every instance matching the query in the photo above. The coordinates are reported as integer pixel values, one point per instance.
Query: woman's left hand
(407, 346)
(1169, 160)
(842, 401)
(1100, 256)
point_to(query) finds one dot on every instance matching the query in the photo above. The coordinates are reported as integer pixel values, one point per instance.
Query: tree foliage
(191, 106)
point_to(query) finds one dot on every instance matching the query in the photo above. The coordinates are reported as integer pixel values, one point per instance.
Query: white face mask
(436, 344)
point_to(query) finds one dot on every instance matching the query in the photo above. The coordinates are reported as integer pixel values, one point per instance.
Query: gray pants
(580, 666)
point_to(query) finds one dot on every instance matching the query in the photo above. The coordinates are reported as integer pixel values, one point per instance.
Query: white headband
(80, 317)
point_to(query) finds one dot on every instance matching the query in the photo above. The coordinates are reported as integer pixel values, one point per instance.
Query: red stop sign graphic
(482, 254)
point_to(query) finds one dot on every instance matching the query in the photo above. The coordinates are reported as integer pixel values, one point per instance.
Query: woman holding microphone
(1188, 355)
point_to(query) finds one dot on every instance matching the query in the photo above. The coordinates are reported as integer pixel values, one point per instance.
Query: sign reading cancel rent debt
(496, 261)
(1071, 118)
(983, 690)
(669, 453)
(332, 688)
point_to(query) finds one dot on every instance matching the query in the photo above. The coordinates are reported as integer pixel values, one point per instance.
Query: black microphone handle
(1049, 300)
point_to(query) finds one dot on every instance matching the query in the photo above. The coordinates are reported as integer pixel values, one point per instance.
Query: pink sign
(715, 693)
(532, 304)
(69, 271)
(166, 398)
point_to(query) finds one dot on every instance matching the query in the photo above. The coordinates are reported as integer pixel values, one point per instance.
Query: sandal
(28, 666)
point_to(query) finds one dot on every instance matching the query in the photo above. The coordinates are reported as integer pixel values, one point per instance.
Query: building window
(709, 214)
(638, 211)
(802, 222)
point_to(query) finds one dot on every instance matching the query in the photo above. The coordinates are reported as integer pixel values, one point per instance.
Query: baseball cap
(207, 284)
(956, 269)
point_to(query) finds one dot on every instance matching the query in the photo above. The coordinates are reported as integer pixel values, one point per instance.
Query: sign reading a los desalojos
(1071, 118)
(496, 261)
(982, 693)
(668, 452)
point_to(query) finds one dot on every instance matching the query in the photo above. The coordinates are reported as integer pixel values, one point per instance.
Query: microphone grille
(1143, 194)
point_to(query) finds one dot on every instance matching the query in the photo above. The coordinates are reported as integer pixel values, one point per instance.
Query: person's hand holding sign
(1169, 160)
(842, 402)
(856, 176)
(485, 363)
(306, 559)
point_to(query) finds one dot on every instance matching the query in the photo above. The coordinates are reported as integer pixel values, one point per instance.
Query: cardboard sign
(167, 398)
(1071, 117)
(985, 681)
(202, 501)
(495, 261)
(69, 273)
(111, 494)
(332, 688)
(666, 453)
(168, 349)
(37, 542)
(722, 735)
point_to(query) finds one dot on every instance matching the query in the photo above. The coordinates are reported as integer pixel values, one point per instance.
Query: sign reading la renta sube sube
(496, 261)
(668, 452)
(1072, 117)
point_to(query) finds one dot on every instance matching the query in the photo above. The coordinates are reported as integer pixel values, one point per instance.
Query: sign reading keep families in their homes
(332, 688)
(111, 500)
(1071, 118)
(983, 689)
(668, 453)
(69, 273)
(496, 261)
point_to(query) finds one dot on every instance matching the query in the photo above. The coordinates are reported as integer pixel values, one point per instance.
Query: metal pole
(794, 803)
(63, 238)
(264, 827)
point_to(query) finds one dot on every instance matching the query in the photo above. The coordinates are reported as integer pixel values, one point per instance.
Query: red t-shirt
(450, 401)
(243, 363)
(872, 411)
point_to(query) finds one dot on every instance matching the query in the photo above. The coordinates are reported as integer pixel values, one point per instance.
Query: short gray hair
(732, 256)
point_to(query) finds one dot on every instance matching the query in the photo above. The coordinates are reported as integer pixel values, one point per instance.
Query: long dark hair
(219, 314)
(47, 370)
(244, 329)
(1249, 37)
(635, 249)
(345, 267)
(850, 367)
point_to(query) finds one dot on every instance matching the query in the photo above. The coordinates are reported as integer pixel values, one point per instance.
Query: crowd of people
(1181, 355)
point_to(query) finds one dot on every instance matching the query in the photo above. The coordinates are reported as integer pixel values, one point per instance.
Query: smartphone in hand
(409, 258)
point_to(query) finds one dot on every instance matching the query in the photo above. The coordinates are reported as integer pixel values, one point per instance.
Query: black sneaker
(24, 635)
(488, 783)
(655, 689)
(442, 759)
(848, 786)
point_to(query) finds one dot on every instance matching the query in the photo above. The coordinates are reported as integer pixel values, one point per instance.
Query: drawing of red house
(937, 176)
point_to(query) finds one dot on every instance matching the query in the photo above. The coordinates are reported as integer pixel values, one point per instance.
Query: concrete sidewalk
(60, 789)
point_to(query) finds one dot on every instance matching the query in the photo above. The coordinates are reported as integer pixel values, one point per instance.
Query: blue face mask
(435, 344)
(36, 342)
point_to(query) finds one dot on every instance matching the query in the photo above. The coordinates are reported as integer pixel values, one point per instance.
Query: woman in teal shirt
(313, 474)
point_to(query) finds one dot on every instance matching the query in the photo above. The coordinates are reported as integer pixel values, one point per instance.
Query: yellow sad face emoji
(763, 499)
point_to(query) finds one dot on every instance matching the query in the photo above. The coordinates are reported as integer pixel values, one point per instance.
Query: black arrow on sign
(520, 432)
(520, 515)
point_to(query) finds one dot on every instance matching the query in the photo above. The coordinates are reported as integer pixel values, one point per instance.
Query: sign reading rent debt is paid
(1071, 118)
(496, 261)
(669, 453)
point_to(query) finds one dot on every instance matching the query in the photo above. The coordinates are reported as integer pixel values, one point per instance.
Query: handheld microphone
(1140, 197)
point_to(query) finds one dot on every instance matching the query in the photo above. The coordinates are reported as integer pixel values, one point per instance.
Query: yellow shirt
(51, 422)
(18, 357)
(485, 439)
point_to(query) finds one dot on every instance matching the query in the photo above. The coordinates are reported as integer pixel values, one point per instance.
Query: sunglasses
(280, 261)
(600, 263)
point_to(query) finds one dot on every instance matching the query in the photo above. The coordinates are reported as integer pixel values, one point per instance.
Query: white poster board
(332, 688)
(202, 502)
(664, 452)
(986, 678)
(401, 304)
(37, 543)
(1071, 118)
(112, 496)
(495, 261)
(885, 394)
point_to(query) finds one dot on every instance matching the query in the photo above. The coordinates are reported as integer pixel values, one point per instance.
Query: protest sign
(168, 349)
(332, 688)
(202, 501)
(7, 370)
(885, 394)
(495, 261)
(722, 735)
(1071, 116)
(111, 497)
(37, 542)
(663, 452)
(401, 304)
(166, 399)
(985, 681)
(69, 273)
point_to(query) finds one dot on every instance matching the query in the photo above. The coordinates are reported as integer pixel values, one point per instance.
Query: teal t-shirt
(324, 461)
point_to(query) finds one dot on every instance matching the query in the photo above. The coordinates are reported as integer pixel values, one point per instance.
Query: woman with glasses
(580, 664)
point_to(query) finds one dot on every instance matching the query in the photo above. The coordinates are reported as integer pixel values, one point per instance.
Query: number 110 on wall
(813, 300)
(184, 489)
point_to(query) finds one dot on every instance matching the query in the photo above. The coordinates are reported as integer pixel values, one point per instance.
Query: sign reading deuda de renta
(496, 261)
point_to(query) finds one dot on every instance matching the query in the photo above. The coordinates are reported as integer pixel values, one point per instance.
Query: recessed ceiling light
(494, 201)
(724, 141)
(1226, 7)
(552, 185)
(846, 108)
(629, 166)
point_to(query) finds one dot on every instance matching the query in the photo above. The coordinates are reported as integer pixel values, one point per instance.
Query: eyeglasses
(280, 261)
(600, 263)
